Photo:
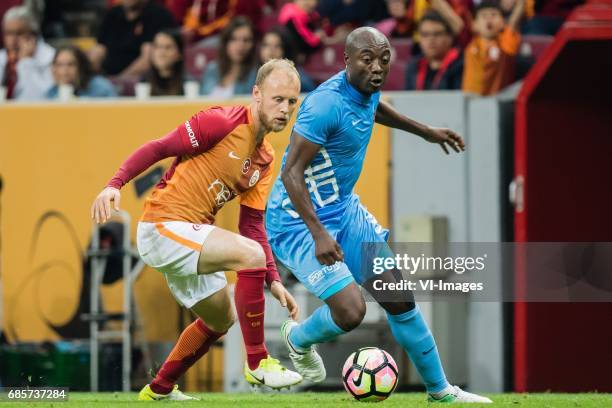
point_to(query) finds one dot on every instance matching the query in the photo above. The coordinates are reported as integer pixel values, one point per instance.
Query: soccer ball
(370, 374)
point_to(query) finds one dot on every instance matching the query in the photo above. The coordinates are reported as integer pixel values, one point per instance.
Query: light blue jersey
(340, 119)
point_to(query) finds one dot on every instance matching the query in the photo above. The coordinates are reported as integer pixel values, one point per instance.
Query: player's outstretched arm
(299, 157)
(387, 115)
(145, 156)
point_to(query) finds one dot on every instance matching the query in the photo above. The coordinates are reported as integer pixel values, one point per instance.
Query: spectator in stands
(276, 43)
(234, 71)
(25, 63)
(405, 15)
(303, 25)
(489, 61)
(71, 67)
(166, 75)
(124, 40)
(4, 6)
(203, 18)
(441, 65)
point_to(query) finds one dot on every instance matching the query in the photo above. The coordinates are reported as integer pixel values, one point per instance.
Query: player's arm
(140, 160)
(387, 115)
(300, 155)
(196, 135)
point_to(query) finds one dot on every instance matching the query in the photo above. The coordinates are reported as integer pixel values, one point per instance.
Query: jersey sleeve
(198, 134)
(258, 196)
(318, 117)
(205, 129)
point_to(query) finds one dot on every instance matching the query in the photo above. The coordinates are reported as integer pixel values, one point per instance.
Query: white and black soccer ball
(370, 374)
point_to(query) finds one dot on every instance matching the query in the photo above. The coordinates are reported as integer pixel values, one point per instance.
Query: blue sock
(318, 328)
(412, 333)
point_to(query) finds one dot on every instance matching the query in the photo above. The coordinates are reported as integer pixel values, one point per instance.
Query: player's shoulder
(229, 114)
(222, 118)
(326, 98)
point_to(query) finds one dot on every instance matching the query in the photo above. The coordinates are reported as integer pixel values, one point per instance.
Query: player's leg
(405, 320)
(343, 311)
(344, 306)
(191, 255)
(215, 317)
(225, 250)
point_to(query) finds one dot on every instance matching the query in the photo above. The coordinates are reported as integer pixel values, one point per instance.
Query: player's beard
(269, 124)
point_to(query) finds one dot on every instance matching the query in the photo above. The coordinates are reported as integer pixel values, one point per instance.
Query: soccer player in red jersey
(220, 153)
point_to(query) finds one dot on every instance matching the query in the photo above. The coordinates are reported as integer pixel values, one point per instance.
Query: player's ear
(256, 94)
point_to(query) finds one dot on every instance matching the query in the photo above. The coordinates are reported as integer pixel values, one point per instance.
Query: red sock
(250, 304)
(193, 343)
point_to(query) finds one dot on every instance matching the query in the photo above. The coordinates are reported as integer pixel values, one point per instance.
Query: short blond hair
(266, 69)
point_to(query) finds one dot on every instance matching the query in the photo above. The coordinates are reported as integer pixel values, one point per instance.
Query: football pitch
(319, 400)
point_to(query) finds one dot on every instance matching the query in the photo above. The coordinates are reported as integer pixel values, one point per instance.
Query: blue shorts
(294, 248)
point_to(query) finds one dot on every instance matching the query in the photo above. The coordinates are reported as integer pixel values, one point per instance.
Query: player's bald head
(364, 37)
(367, 55)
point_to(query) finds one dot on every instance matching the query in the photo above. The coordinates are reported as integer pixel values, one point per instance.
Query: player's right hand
(327, 250)
(101, 208)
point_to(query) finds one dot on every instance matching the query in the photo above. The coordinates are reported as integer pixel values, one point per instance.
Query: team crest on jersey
(254, 178)
(246, 166)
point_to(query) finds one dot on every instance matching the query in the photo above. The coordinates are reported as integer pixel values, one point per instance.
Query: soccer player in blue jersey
(316, 224)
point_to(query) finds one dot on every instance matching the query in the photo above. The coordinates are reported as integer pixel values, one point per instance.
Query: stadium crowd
(101, 48)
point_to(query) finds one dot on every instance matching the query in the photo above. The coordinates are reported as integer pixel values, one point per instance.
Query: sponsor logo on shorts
(254, 178)
(317, 275)
(197, 227)
(191, 134)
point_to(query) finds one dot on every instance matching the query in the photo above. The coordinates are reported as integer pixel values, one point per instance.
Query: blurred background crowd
(102, 48)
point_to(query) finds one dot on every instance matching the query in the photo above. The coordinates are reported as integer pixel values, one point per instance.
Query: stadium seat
(534, 45)
(396, 78)
(124, 87)
(196, 58)
(401, 50)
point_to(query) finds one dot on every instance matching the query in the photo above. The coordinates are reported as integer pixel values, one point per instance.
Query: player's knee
(223, 323)
(350, 317)
(252, 255)
(228, 323)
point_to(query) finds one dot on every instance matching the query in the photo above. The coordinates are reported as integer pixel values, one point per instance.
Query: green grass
(320, 400)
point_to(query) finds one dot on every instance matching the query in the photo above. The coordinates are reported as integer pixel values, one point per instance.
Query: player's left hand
(285, 299)
(445, 137)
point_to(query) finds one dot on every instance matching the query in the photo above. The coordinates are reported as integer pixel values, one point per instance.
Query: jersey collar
(353, 93)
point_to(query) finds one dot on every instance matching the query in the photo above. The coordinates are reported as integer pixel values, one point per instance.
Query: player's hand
(327, 250)
(445, 137)
(101, 208)
(285, 299)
